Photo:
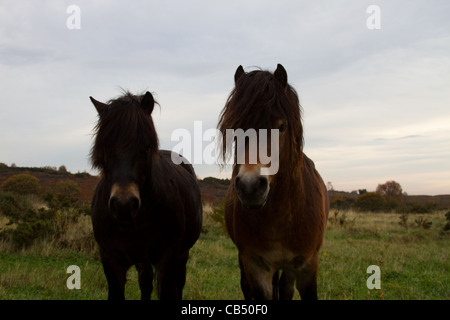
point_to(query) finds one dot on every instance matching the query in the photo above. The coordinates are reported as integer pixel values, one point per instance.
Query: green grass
(414, 264)
(27, 276)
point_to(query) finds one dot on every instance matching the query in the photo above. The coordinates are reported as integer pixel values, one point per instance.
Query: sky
(374, 84)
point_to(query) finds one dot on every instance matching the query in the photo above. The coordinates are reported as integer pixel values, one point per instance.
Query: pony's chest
(280, 257)
(276, 254)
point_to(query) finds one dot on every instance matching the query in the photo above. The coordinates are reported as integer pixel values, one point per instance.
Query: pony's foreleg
(307, 279)
(244, 283)
(287, 285)
(259, 278)
(145, 277)
(116, 277)
(167, 275)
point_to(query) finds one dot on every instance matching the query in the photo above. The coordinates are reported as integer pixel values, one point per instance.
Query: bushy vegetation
(23, 183)
(30, 215)
(388, 197)
(447, 225)
(215, 181)
(64, 194)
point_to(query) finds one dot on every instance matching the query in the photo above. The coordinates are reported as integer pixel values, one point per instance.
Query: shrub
(14, 206)
(67, 193)
(421, 222)
(50, 224)
(447, 216)
(39, 226)
(32, 225)
(370, 201)
(23, 183)
(335, 219)
(404, 220)
(51, 199)
(9, 206)
(28, 223)
(218, 214)
(447, 225)
(341, 202)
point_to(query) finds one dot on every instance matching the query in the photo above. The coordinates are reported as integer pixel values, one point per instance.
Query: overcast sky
(376, 102)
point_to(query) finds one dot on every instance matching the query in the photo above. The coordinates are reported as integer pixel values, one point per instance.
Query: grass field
(414, 263)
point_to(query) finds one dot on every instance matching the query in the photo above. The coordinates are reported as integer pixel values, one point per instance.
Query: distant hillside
(440, 201)
(212, 189)
(49, 176)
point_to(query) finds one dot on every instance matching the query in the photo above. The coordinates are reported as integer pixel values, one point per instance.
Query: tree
(390, 189)
(62, 169)
(23, 183)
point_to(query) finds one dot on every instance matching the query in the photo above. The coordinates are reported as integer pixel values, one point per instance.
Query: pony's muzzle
(252, 190)
(124, 202)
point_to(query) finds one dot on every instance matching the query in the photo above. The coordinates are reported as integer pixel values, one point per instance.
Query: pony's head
(125, 142)
(262, 105)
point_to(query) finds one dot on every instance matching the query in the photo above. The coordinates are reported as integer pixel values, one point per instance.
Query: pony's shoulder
(172, 163)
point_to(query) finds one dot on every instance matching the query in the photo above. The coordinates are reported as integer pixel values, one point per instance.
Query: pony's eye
(282, 127)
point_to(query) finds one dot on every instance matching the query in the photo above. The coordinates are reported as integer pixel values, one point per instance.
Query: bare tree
(330, 186)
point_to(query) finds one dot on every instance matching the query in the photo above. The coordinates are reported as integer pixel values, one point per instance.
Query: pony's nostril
(251, 185)
(113, 203)
(262, 183)
(135, 203)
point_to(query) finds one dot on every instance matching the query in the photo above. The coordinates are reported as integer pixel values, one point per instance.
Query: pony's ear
(100, 106)
(281, 75)
(239, 72)
(148, 102)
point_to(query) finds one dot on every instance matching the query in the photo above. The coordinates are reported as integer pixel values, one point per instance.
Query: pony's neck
(289, 178)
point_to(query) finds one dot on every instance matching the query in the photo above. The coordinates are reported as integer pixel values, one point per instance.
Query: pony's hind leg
(181, 272)
(145, 278)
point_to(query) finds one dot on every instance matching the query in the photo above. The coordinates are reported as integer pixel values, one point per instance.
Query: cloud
(375, 101)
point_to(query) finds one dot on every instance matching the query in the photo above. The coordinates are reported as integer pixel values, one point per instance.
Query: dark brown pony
(276, 221)
(146, 210)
